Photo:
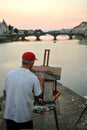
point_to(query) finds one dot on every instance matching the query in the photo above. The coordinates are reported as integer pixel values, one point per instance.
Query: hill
(82, 27)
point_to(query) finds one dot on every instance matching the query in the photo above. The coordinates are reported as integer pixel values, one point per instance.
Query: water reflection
(70, 55)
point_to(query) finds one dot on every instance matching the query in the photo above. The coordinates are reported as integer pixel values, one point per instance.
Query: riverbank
(69, 107)
(83, 42)
(6, 39)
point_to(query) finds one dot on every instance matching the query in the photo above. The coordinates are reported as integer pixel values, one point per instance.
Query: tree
(10, 29)
(16, 30)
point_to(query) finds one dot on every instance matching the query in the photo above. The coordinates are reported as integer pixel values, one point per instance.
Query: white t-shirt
(21, 85)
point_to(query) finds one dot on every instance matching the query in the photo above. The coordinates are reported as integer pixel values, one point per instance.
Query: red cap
(29, 56)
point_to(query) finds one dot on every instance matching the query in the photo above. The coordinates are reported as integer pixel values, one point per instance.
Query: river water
(70, 55)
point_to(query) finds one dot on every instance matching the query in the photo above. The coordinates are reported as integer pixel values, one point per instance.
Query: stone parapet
(69, 108)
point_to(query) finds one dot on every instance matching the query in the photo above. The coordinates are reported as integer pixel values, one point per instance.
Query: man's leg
(12, 125)
(26, 125)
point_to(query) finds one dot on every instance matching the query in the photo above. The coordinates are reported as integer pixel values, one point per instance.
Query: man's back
(19, 85)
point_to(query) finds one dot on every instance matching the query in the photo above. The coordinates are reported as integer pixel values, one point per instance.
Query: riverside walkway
(69, 107)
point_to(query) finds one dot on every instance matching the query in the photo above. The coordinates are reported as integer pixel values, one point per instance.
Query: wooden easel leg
(56, 120)
(46, 57)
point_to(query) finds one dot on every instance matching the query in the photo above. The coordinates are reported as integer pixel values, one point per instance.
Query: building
(3, 28)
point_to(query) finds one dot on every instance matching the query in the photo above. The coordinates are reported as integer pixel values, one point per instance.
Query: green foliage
(7, 39)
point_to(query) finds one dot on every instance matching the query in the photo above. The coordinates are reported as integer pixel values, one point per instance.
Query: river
(70, 55)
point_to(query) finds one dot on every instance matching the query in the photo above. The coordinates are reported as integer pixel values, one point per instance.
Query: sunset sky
(43, 14)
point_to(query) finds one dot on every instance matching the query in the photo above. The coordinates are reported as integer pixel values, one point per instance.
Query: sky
(43, 14)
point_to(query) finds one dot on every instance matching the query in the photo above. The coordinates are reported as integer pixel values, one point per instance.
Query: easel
(46, 57)
(81, 115)
(50, 84)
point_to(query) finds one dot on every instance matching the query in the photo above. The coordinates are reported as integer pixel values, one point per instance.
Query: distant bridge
(38, 33)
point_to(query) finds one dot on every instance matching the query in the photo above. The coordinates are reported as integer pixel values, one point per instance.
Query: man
(20, 86)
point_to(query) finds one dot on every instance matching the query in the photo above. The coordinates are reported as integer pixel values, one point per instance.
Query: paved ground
(69, 107)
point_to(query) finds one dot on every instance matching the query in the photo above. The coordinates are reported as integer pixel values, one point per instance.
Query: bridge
(38, 33)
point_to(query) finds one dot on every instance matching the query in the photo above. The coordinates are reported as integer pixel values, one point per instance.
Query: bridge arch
(61, 36)
(31, 38)
(47, 37)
